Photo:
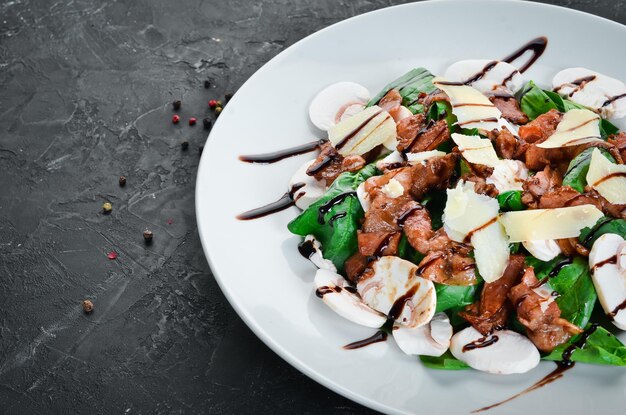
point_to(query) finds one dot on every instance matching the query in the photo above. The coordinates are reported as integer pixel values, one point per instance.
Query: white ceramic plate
(257, 263)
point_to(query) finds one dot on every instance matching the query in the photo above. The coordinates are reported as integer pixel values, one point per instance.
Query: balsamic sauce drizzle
(326, 207)
(480, 343)
(379, 336)
(306, 249)
(283, 203)
(335, 217)
(536, 46)
(612, 99)
(610, 176)
(616, 310)
(279, 155)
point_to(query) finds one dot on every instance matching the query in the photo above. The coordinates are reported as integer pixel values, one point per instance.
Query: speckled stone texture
(85, 96)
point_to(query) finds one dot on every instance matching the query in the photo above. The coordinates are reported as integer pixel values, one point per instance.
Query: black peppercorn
(147, 236)
(176, 104)
(207, 123)
(122, 181)
(207, 84)
(184, 145)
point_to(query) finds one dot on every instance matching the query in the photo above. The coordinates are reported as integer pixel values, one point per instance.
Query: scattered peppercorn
(228, 96)
(212, 103)
(218, 110)
(207, 123)
(87, 306)
(147, 236)
(122, 181)
(207, 84)
(192, 121)
(175, 119)
(107, 207)
(176, 104)
(200, 150)
(184, 145)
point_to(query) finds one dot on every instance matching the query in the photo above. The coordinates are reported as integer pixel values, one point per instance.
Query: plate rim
(256, 328)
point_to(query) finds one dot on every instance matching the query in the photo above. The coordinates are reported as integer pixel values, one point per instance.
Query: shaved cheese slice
(422, 156)
(472, 109)
(541, 224)
(578, 126)
(474, 217)
(609, 179)
(476, 150)
(363, 131)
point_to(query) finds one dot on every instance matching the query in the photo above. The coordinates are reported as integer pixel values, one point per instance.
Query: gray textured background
(85, 92)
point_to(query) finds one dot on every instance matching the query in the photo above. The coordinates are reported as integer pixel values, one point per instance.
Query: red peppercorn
(212, 103)
(192, 121)
(175, 119)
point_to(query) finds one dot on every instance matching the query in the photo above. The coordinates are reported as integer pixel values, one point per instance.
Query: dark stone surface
(85, 93)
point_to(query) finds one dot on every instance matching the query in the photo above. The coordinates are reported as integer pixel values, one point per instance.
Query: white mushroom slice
(393, 189)
(578, 126)
(364, 197)
(432, 339)
(472, 109)
(402, 113)
(333, 102)
(393, 158)
(621, 258)
(394, 288)
(508, 175)
(486, 75)
(469, 216)
(476, 150)
(542, 224)
(422, 156)
(544, 250)
(333, 290)
(364, 131)
(609, 179)
(592, 89)
(503, 352)
(312, 249)
(608, 278)
(306, 189)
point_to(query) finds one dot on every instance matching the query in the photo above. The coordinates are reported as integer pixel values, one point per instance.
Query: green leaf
(452, 296)
(534, 101)
(339, 238)
(600, 348)
(604, 225)
(511, 200)
(410, 85)
(435, 202)
(606, 128)
(576, 174)
(443, 362)
(441, 110)
(406, 251)
(577, 295)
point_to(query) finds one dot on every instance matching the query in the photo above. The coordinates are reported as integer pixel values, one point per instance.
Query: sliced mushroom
(393, 288)
(545, 250)
(313, 251)
(486, 75)
(432, 339)
(335, 101)
(606, 261)
(508, 175)
(332, 288)
(592, 89)
(503, 352)
(307, 188)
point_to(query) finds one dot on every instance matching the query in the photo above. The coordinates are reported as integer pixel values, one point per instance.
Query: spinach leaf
(601, 348)
(435, 202)
(534, 101)
(442, 110)
(338, 238)
(577, 295)
(451, 296)
(410, 85)
(444, 362)
(511, 200)
(606, 128)
(604, 225)
(576, 174)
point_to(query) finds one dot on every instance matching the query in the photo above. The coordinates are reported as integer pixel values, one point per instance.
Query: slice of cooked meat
(430, 99)
(392, 99)
(541, 316)
(329, 164)
(540, 184)
(482, 187)
(355, 266)
(540, 128)
(430, 137)
(435, 173)
(571, 247)
(376, 244)
(407, 130)
(492, 311)
(509, 107)
(619, 141)
(448, 262)
(417, 227)
(404, 175)
(506, 144)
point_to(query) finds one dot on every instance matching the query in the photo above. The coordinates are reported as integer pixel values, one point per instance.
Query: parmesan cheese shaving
(578, 126)
(609, 179)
